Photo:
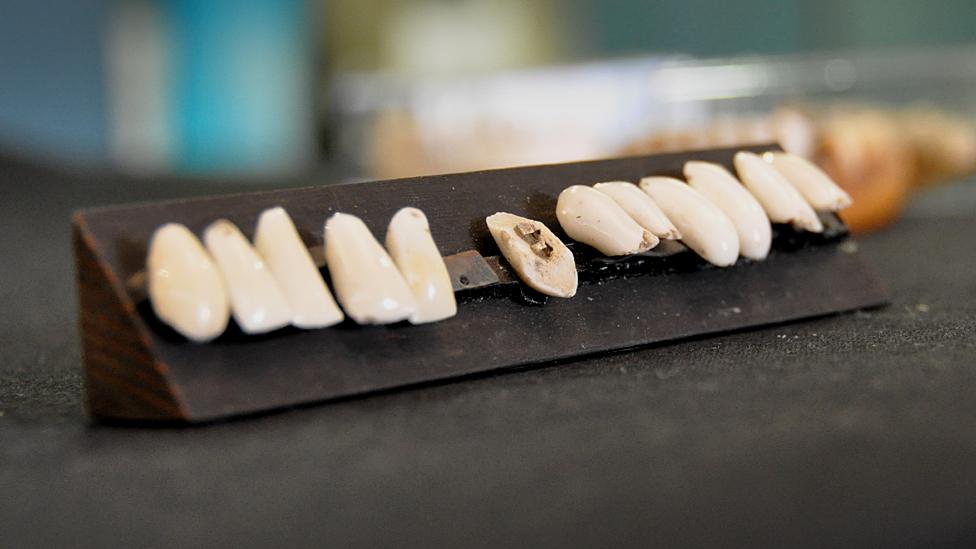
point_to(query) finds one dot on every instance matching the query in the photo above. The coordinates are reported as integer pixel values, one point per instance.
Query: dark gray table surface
(857, 429)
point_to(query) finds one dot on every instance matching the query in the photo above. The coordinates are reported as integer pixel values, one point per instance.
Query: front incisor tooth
(591, 217)
(278, 242)
(719, 186)
(185, 288)
(539, 258)
(412, 248)
(704, 227)
(366, 282)
(640, 207)
(256, 300)
(783, 204)
(817, 187)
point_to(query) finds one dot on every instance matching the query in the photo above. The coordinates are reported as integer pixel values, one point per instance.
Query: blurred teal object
(52, 103)
(240, 86)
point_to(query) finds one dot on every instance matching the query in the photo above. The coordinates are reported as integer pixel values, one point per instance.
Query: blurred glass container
(390, 126)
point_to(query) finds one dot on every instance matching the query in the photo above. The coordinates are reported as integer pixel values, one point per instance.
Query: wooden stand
(138, 369)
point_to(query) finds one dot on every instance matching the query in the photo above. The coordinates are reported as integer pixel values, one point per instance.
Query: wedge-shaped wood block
(136, 368)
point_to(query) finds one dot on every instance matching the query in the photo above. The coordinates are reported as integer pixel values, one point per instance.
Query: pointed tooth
(640, 207)
(412, 248)
(289, 261)
(185, 287)
(256, 301)
(366, 282)
(593, 218)
(541, 260)
(705, 228)
(719, 186)
(783, 204)
(813, 184)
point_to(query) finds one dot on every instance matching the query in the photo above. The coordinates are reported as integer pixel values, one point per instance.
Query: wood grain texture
(122, 378)
(138, 368)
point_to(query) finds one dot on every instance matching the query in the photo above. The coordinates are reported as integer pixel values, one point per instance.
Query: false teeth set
(149, 273)
(714, 214)
(196, 289)
(274, 283)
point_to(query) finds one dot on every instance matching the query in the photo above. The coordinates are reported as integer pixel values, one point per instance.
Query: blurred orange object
(866, 153)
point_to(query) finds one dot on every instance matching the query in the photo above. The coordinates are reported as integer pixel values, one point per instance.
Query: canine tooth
(719, 186)
(256, 301)
(783, 204)
(814, 185)
(640, 207)
(541, 260)
(593, 218)
(412, 248)
(289, 261)
(185, 288)
(705, 228)
(366, 282)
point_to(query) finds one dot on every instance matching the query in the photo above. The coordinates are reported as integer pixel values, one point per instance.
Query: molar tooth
(705, 228)
(185, 288)
(256, 301)
(412, 248)
(593, 218)
(814, 185)
(782, 202)
(366, 282)
(541, 260)
(640, 207)
(719, 186)
(289, 261)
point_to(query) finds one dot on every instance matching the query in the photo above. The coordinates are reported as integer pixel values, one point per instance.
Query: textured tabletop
(855, 429)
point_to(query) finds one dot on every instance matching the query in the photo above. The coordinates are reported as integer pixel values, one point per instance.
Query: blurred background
(882, 93)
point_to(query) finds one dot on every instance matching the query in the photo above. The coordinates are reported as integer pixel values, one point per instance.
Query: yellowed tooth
(366, 282)
(719, 186)
(593, 218)
(816, 187)
(641, 208)
(412, 248)
(704, 227)
(278, 242)
(782, 202)
(256, 301)
(185, 287)
(539, 258)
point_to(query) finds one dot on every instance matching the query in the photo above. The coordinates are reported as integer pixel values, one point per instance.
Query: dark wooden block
(138, 369)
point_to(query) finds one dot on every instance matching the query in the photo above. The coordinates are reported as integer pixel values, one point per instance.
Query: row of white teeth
(195, 288)
(715, 214)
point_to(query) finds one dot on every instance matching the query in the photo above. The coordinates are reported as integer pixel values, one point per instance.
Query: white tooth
(719, 186)
(593, 218)
(817, 187)
(289, 261)
(256, 301)
(704, 227)
(412, 248)
(366, 282)
(185, 287)
(541, 260)
(783, 204)
(640, 207)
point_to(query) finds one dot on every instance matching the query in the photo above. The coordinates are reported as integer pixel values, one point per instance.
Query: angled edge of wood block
(123, 379)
